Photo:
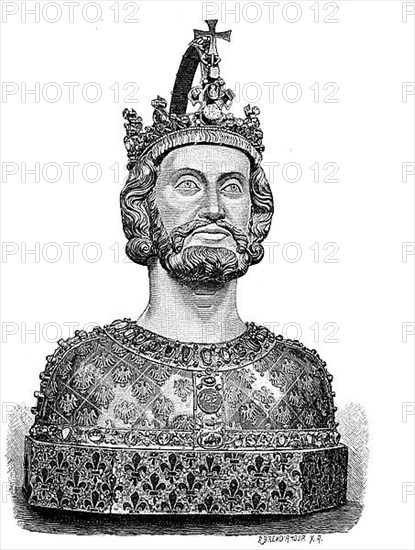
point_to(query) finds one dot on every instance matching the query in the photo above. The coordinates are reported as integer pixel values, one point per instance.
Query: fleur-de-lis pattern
(135, 482)
(144, 423)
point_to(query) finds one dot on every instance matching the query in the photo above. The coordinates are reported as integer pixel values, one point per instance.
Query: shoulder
(284, 386)
(78, 369)
(293, 361)
(299, 381)
(81, 348)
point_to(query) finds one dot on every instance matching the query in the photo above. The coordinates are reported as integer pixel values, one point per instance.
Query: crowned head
(196, 199)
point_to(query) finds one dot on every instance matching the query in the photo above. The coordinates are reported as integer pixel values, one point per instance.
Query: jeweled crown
(211, 96)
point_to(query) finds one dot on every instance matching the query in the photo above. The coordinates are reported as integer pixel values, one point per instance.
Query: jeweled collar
(253, 344)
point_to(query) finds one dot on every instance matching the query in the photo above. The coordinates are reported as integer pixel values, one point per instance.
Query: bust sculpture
(188, 409)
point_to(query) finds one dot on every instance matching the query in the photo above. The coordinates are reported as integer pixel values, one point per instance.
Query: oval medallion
(209, 380)
(206, 356)
(95, 435)
(210, 440)
(131, 439)
(187, 354)
(209, 400)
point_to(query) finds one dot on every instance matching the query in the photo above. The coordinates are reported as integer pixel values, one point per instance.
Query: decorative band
(182, 439)
(198, 136)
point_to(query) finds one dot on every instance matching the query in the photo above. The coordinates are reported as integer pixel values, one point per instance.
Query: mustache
(179, 234)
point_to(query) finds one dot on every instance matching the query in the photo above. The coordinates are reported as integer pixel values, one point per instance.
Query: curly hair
(141, 221)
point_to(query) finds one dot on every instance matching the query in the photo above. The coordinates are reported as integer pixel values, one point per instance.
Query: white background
(368, 213)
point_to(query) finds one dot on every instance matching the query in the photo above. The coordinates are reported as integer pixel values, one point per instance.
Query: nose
(215, 215)
(213, 210)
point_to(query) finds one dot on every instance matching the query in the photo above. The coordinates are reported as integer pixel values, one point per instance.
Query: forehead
(207, 158)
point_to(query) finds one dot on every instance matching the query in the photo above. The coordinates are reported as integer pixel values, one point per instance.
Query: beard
(206, 264)
(203, 263)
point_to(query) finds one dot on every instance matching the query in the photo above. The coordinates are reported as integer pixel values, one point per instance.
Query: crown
(213, 100)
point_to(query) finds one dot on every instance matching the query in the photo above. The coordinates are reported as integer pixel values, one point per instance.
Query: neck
(195, 312)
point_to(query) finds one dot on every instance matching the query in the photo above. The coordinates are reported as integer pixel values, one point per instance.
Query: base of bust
(133, 481)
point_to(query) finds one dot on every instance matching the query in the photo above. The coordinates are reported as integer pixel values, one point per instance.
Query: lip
(212, 231)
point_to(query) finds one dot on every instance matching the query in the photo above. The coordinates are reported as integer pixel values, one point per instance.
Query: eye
(232, 187)
(187, 185)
